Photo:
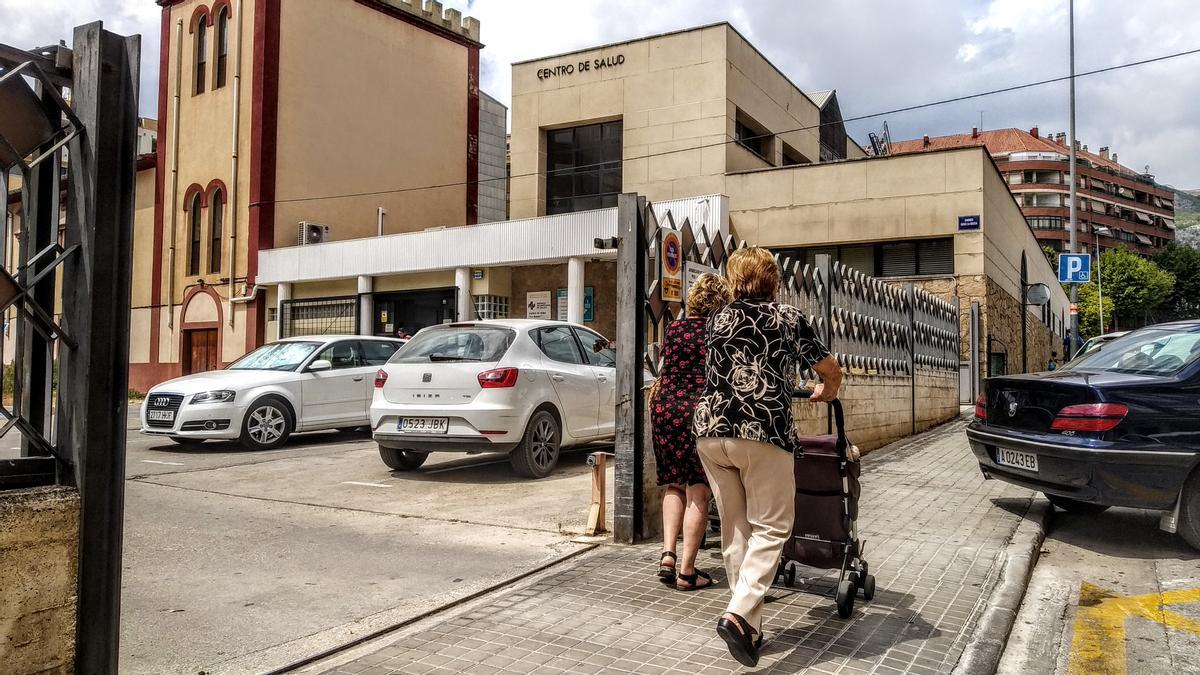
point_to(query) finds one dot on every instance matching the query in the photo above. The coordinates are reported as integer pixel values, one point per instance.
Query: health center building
(703, 125)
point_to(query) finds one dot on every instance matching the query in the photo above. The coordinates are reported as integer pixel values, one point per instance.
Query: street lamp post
(1096, 233)
(1074, 224)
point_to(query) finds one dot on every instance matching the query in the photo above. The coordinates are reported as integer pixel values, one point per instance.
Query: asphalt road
(240, 561)
(1111, 593)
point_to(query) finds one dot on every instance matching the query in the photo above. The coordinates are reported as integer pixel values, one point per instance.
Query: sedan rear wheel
(402, 460)
(1075, 506)
(537, 454)
(1189, 511)
(267, 425)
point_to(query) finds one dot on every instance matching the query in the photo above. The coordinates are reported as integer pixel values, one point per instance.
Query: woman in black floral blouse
(685, 499)
(745, 433)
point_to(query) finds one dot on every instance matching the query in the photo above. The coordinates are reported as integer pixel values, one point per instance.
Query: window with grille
(583, 167)
(319, 316)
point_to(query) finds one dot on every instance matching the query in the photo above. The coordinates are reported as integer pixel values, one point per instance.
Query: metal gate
(323, 316)
(74, 161)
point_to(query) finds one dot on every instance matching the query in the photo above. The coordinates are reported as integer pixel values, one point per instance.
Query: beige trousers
(755, 487)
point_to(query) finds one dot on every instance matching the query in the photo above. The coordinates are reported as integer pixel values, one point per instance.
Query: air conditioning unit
(312, 233)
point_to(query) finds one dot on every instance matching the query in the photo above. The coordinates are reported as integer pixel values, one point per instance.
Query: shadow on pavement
(305, 440)
(1140, 538)
(488, 469)
(1017, 506)
(872, 630)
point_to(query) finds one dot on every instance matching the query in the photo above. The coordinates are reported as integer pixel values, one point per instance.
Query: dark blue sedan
(1119, 426)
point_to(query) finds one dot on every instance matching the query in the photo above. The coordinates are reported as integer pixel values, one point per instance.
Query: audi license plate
(161, 415)
(422, 425)
(1025, 461)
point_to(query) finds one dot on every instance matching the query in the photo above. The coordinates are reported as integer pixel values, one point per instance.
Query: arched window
(222, 45)
(194, 254)
(217, 209)
(201, 54)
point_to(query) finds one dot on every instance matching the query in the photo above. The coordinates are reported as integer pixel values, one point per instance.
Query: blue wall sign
(968, 222)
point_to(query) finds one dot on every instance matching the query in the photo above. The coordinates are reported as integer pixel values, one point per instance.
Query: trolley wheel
(854, 579)
(789, 576)
(845, 599)
(868, 588)
(863, 570)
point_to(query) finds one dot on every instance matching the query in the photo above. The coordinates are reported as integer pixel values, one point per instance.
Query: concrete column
(575, 290)
(284, 292)
(366, 305)
(465, 310)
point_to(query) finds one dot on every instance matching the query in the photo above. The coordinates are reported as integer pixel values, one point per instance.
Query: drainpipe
(174, 204)
(233, 155)
(380, 212)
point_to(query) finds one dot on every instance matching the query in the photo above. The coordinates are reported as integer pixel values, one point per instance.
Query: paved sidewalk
(934, 532)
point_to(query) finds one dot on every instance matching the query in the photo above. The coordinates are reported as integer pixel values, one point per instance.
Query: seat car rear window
(456, 343)
(1150, 351)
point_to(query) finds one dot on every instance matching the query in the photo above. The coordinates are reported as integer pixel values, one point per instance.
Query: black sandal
(691, 579)
(742, 645)
(667, 572)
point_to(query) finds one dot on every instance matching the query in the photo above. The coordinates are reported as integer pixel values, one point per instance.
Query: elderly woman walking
(685, 500)
(746, 434)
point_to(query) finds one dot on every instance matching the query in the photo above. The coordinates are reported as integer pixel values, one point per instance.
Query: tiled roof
(1001, 142)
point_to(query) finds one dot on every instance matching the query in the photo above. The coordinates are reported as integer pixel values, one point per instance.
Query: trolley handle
(839, 416)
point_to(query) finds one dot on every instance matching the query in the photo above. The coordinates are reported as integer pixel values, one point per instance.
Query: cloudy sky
(878, 54)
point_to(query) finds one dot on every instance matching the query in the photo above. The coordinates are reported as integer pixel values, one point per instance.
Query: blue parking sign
(1074, 268)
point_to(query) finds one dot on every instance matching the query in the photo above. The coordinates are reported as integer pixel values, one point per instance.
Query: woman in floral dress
(685, 499)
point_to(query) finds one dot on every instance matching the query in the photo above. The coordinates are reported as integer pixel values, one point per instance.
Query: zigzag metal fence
(874, 328)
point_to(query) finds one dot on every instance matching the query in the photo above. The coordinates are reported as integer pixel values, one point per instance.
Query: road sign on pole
(1074, 268)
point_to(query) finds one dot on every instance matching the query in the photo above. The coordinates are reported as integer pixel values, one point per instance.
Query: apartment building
(1116, 205)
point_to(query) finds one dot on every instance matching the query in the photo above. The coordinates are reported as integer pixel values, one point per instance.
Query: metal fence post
(631, 349)
(910, 299)
(93, 395)
(823, 262)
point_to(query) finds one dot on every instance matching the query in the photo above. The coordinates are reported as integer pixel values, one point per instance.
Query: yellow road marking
(1098, 647)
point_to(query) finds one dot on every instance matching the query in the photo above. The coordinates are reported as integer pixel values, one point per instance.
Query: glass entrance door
(412, 310)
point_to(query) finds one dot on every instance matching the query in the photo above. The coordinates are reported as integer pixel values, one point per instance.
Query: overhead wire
(856, 118)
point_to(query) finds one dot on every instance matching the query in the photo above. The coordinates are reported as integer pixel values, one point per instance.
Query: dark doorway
(200, 351)
(412, 310)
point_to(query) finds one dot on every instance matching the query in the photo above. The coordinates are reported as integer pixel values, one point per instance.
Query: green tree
(1137, 286)
(1051, 257)
(1184, 263)
(1089, 310)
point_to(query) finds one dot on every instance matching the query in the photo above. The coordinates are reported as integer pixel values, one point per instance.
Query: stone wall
(937, 394)
(1002, 322)
(39, 542)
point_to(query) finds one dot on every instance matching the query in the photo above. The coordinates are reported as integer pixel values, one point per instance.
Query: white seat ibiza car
(296, 384)
(520, 386)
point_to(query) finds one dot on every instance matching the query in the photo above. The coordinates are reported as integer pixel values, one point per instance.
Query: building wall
(493, 168)
(764, 93)
(601, 276)
(39, 544)
(349, 122)
(669, 92)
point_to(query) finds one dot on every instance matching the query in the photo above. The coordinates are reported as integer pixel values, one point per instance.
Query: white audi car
(296, 384)
(524, 387)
